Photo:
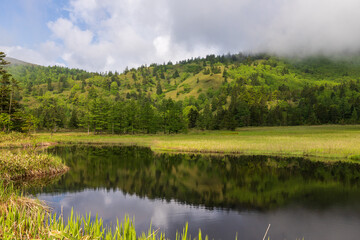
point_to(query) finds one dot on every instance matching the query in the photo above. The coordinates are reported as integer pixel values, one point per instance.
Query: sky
(104, 35)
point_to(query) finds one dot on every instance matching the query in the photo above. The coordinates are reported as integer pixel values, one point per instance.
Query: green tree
(4, 121)
(148, 117)
(205, 119)
(8, 87)
(30, 123)
(99, 112)
(132, 116)
(114, 88)
(158, 88)
(49, 84)
(5, 83)
(74, 121)
(50, 113)
(191, 114)
(354, 117)
(176, 74)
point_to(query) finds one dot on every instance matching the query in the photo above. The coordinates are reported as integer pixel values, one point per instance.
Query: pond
(224, 196)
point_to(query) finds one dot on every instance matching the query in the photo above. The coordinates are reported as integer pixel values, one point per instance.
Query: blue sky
(102, 35)
(25, 21)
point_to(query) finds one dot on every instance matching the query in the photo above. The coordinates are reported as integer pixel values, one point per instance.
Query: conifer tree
(4, 85)
(8, 86)
(176, 74)
(159, 89)
(354, 117)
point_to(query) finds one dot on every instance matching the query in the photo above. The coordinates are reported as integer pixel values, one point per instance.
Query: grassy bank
(15, 139)
(20, 215)
(26, 218)
(324, 142)
(25, 165)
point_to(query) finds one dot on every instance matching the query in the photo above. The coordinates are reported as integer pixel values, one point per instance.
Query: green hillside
(215, 92)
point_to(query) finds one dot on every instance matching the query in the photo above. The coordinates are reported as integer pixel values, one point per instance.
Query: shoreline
(213, 143)
(320, 142)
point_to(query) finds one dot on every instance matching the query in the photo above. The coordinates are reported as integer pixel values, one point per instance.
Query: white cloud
(110, 35)
(78, 38)
(101, 35)
(314, 27)
(162, 45)
(79, 50)
(46, 55)
(166, 49)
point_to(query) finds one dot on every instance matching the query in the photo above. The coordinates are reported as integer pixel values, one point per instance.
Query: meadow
(323, 142)
(22, 217)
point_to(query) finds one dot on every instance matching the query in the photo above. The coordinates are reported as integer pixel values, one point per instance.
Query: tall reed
(21, 220)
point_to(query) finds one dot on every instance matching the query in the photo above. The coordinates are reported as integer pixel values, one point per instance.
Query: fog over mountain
(300, 27)
(104, 35)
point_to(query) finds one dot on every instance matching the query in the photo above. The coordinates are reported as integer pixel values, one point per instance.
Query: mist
(288, 28)
(103, 35)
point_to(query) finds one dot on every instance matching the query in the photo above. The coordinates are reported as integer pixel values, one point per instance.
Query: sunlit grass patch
(29, 164)
(326, 141)
(15, 139)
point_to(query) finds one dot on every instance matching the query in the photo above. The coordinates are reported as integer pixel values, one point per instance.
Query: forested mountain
(215, 92)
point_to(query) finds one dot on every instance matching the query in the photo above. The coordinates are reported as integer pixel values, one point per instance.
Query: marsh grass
(18, 214)
(324, 142)
(12, 198)
(24, 218)
(26, 164)
(15, 139)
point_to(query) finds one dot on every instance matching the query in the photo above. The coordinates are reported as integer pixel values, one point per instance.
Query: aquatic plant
(24, 218)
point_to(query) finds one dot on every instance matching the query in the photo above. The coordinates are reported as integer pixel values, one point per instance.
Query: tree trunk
(11, 95)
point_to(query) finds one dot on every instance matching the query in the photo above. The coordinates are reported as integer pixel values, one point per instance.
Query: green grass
(323, 142)
(28, 164)
(15, 139)
(24, 218)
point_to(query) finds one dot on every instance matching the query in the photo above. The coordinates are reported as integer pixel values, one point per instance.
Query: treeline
(246, 107)
(311, 105)
(12, 115)
(215, 92)
(99, 114)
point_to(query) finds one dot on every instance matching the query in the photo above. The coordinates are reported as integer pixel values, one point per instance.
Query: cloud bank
(101, 35)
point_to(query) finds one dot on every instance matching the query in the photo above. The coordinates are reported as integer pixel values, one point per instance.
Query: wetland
(225, 195)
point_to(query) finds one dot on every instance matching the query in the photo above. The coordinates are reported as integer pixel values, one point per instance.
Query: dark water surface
(223, 196)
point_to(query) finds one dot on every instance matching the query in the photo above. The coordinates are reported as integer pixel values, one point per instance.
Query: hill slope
(208, 93)
(17, 62)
